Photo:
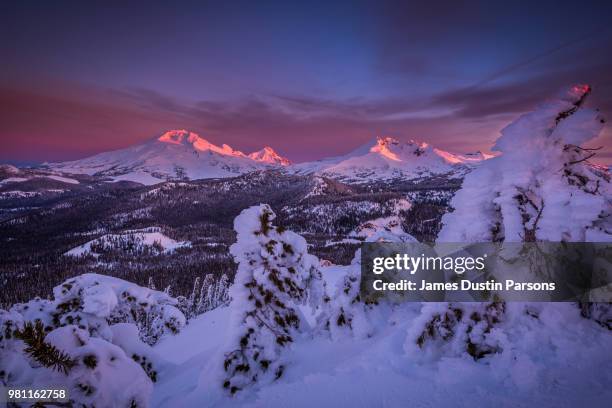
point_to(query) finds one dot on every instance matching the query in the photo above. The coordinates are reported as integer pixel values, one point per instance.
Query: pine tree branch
(33, 335)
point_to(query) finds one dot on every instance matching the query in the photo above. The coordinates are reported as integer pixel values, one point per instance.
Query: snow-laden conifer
(541, 188)
(93, 302)
(347, 314)
(274, 269)
(221, 292)
(87, 339)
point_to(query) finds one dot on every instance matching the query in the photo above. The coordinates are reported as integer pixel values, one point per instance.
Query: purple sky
(311, 80)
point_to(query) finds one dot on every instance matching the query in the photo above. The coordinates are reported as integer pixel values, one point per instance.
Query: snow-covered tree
(206, 296)
(456, 328)
(541, 188)
(13, 363)
(93, 302)
(599, 312)
(190, 306)
(192, 300)
(221, 292)
(93, 370)
(274, 269)
(206, 292)
(98, 373)
(125, 335)
(87, 339)
(347, 314)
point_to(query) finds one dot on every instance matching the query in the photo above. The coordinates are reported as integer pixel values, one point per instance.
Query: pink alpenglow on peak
(176, 155)
(386, 158)
(268, 155)
(393, 149)
(179, 137)
(184, 137)
(183, 155)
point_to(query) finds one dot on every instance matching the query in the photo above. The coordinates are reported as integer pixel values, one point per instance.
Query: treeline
(38, 277)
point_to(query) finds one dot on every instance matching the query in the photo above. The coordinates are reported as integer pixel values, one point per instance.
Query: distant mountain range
(184, 155)
(386, 158)
(175, 155)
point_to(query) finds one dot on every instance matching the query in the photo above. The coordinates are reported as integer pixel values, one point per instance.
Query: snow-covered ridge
(183, 155)
(386, 158)
(129, 241)
(186, 138)
(175, 155)
(51, 176)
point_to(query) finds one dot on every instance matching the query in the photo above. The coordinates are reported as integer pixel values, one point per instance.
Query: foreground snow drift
(558, 360)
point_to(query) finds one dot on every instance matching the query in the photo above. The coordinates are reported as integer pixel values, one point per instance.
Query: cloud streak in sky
(84, 120)
(311, 81)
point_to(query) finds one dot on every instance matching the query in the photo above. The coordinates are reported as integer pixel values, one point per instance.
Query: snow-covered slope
(132, 241)
(183, 155)
(560, 360)
(11, 175)
(386, 158)
(175, 155)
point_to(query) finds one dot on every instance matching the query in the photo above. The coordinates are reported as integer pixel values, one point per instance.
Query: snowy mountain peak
(387, 158)
(179, 137)
(393, 149)
(389, 142)
(269, 155)
(386, 141)
(186, 138)
(175, 155)
(184, 155)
